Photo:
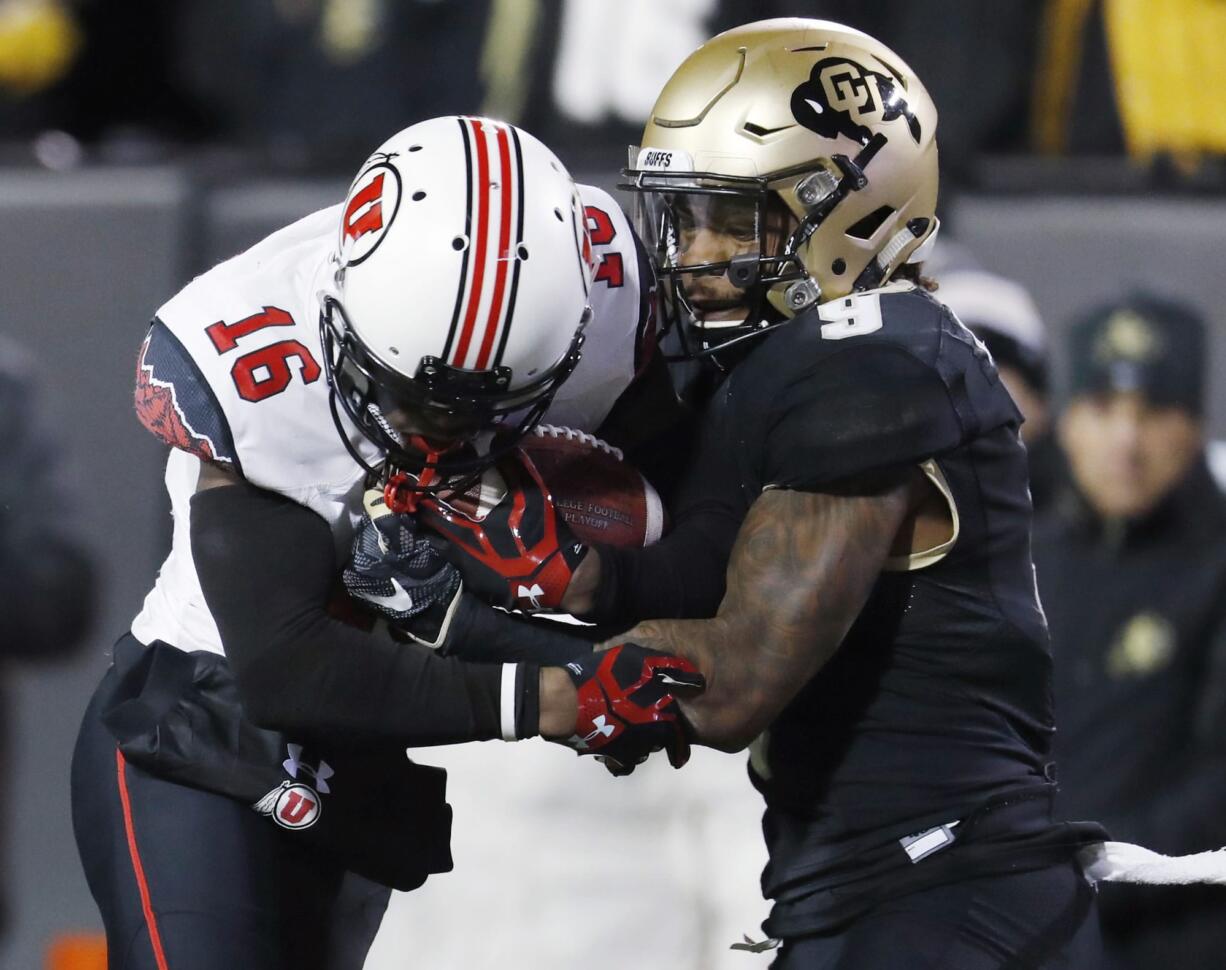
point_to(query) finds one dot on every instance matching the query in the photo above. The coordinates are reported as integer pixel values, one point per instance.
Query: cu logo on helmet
(297, 807)
(841, 97)
(369, 212)
(848, 90)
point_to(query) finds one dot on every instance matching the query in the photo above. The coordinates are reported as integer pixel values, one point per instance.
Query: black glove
(394, 570)
(626, 706)
(522, 554)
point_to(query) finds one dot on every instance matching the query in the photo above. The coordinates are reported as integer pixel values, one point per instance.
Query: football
(603, 498)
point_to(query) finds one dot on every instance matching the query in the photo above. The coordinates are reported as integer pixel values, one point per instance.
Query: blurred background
(1084, 159)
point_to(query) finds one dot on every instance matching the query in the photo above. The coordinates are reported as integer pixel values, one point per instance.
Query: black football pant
(189, 880)
(1043, 920)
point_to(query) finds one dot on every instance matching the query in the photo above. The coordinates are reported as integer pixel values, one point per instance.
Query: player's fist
(627, 706)
(394, 570)
(521, 554)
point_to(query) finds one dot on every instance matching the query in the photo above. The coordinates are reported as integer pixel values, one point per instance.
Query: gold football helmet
(786, 163)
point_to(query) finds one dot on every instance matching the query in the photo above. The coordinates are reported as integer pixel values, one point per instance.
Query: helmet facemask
(444, 426)
(758, 279)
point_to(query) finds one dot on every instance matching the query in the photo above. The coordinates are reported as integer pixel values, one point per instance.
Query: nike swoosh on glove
(394, 570)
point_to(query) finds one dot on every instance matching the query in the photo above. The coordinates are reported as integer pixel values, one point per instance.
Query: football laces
(582, 437)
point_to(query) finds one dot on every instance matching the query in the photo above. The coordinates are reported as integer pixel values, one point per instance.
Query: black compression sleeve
(483, 634)
(267, 567)
(680, 576)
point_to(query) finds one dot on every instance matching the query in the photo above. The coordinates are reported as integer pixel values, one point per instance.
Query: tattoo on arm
(801, 570)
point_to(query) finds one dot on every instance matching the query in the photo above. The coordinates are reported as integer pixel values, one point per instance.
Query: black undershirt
(267, 567)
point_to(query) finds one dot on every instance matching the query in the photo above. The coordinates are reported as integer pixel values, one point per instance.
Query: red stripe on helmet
(482, 196)
(504, 254)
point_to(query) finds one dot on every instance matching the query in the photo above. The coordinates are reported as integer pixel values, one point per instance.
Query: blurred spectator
(305, 82)
(332, 77)
(1131, 567)
(95, 69)
(595, 68)
(38, 41)
(47, 579)
(1135, 75)
(1001, 313)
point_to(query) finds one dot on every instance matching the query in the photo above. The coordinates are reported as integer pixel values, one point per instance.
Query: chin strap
(402, 491)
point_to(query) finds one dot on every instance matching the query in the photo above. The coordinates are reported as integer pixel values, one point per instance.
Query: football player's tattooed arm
(801, 570)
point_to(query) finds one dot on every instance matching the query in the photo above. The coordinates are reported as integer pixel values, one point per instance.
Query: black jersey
(935, 711)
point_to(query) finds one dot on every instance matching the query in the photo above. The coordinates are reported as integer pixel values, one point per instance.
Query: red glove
(626, 705)
(522, 555)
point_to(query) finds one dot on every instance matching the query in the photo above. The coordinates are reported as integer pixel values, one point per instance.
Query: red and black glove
(522, 554)
(627, 707)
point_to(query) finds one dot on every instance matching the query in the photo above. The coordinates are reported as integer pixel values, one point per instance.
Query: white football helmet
(463, 268)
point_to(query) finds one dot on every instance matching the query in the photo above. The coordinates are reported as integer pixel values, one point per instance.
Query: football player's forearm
(682, 575)
(801, 571)
(298, 668)
(580, 595)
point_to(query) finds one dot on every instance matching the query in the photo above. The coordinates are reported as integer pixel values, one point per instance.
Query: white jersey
(231, 371)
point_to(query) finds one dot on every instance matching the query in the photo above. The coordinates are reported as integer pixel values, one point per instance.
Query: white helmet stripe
(468, 222)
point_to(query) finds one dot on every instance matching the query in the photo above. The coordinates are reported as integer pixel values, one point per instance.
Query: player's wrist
(580, 595)
(559, 704)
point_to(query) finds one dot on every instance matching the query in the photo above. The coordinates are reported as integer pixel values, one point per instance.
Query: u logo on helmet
(370, 210)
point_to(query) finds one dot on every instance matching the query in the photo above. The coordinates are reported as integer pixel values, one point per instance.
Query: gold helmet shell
(813, 109)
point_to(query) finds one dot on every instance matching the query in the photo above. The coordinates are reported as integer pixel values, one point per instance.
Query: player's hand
(522, 555)
(627, 706)
(394, 569)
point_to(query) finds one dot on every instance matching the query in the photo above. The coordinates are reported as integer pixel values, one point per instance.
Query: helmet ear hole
(867, 227)
(839, 266)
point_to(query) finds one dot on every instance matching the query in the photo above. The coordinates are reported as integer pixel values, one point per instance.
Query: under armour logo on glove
(521, 555)
(603, 729)
(532, 595)
(394, 570)
(625, 706)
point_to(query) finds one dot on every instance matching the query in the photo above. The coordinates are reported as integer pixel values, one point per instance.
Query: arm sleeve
(867, 409)
(482, 634)
(266, 567)
(681, 576)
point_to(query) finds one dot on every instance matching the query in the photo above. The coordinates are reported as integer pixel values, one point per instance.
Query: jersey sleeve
(175, 402)
(862, 410)
(620, 338)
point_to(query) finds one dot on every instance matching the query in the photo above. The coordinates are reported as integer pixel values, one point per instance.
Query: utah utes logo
(297, 807)
(842, 97)
(370, 209)
(292, 805)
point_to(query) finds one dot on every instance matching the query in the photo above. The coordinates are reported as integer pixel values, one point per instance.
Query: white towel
(1123, 862)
